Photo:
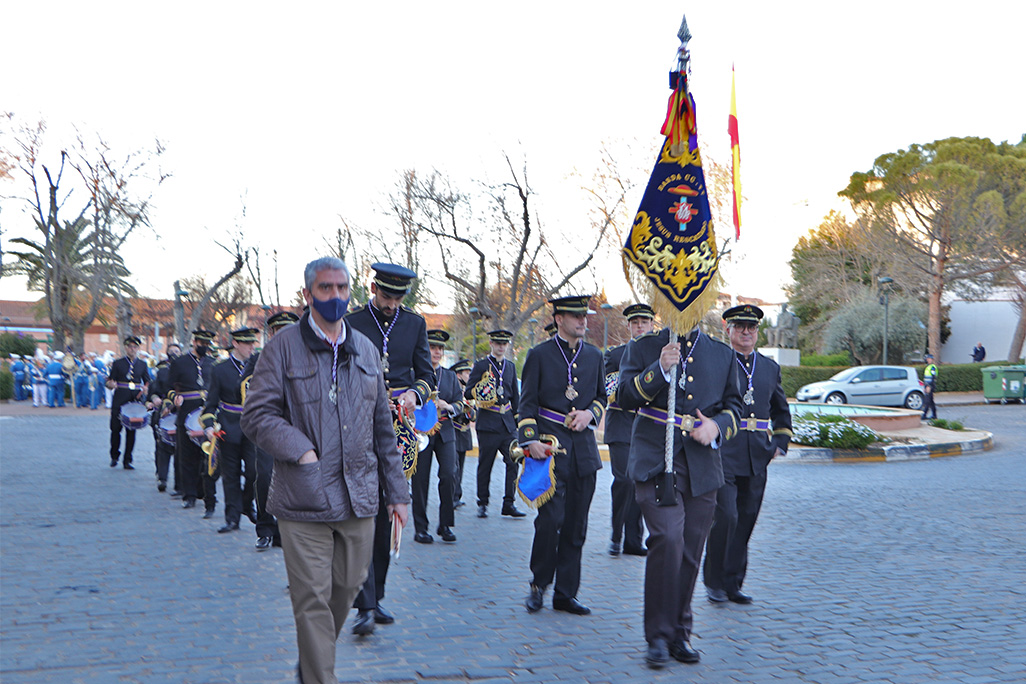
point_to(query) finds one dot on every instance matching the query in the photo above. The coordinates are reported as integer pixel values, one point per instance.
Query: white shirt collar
(321, 334)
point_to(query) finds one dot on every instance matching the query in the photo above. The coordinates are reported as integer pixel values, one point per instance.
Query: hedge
(956, 377)
(6, 384)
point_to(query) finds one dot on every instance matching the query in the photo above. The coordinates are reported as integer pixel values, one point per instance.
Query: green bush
(838, 359)
(957, 377)
(11, 343)
(793, 377)
(833, 432)
(6, 384)
(947, 424)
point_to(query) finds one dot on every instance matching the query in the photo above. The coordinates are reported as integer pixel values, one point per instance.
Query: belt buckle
(687, 423)
(131, 385)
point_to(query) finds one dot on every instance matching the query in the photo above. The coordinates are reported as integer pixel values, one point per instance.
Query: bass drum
(167, 428)
(193, 427)
(134, 415)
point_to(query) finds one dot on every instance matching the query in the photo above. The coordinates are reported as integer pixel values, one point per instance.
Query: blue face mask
(331, 310)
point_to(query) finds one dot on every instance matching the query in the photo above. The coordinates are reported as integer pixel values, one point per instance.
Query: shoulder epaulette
(407, 309)
(648, 334)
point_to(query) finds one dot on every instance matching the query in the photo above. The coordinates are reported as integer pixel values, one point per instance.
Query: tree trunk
(936, 289)
(1015, 349)
(197, 311)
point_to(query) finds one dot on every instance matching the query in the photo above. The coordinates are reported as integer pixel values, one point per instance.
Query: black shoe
(114, 461)
(176, 494)
(189, 503)
(535, 600)
(482, 511)
(615, 548)
(276, 542)
(446, 534)
(129, 466)
(364, 623)
(571, 605)
(513, 511)
(657, 655)
(635, 550)
(459, 504)
(228, 527)
(209, 513)
(423, 538)
(251, 514)
(381, 616)
(739, 597)
(716, 595)
(681, 650)
(161, 486)
(263, 543)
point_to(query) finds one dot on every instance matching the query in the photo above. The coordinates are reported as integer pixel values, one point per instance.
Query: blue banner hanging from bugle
(670, 256)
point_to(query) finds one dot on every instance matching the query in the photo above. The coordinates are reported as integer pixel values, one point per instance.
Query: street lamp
(473, 311)
(605, 325)
(534, 324)
(885, 299)
(180, 313)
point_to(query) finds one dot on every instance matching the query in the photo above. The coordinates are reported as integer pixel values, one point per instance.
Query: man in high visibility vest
(930, 385)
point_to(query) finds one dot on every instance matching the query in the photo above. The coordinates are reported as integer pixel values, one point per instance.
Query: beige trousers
(326, 564)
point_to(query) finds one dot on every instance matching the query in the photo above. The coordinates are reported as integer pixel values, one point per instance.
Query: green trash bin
(1004, 383)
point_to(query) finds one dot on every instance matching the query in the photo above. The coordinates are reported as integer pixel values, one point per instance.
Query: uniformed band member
(707, 392)
(628, 527)
(449, 403)
(464, 437)
(266, 525)
(189, 377)
(493, 387)
(158, 389)
(563, 394)
(765, 433)
(550, 329)
(400, 335)
(128, 378)
(223, 408)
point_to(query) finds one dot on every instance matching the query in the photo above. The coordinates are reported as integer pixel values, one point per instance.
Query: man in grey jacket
(318, 404)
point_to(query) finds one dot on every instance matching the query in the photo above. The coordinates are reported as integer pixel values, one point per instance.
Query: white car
(873, 385)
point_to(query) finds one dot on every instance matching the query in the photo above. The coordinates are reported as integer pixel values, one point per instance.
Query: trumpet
(519, 453)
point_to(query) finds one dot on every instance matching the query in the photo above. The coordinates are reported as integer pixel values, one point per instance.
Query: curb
(887, 454)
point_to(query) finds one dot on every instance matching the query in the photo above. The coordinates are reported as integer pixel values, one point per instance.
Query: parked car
(874, 385)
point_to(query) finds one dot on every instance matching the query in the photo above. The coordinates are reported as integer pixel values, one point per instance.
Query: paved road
(887, 572)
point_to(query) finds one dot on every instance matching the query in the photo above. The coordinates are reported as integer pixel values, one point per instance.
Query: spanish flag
(735, 149)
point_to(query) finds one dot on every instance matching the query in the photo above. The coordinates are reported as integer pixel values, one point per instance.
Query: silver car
(873, 385)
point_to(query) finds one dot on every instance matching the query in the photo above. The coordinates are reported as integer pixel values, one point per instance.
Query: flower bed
(833, 432)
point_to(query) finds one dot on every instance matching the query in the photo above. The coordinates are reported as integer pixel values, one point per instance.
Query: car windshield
(846, 374)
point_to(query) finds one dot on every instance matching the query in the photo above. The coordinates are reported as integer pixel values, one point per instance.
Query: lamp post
(605, 325)
(180, 313)
(473, 311)
(885, 299)
(534, 324)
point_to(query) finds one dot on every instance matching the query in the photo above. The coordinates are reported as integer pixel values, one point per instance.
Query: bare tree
(200, 305)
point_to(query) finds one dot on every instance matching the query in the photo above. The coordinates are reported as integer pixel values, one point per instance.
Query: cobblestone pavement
(885, 572)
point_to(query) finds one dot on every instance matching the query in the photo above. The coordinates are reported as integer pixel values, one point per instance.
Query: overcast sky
(311, 110)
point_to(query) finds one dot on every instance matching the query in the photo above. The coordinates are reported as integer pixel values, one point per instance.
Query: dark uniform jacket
(409, 357)
(119, 372)
(618, 421)
(449, 391)
(225, 388)
(712, 388)
(501, 417)
(184, 376)
(544, 386)
(748, 453)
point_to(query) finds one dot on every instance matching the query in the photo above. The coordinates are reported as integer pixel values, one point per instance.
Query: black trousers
(461, 458)
(676, 536)
(737, 508)
(928, 405)
(163, 455)
(267, 525)
(197, 483)
(445, 453)
(627, 523)
(488, 444)
(238, 465)
(374, 587)
(560, 529)
(115, 436)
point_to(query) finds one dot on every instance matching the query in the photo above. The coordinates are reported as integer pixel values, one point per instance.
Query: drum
(166, 429)
(135, 415)
(193, 427)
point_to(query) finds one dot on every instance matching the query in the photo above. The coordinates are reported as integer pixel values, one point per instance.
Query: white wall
(992, 323)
